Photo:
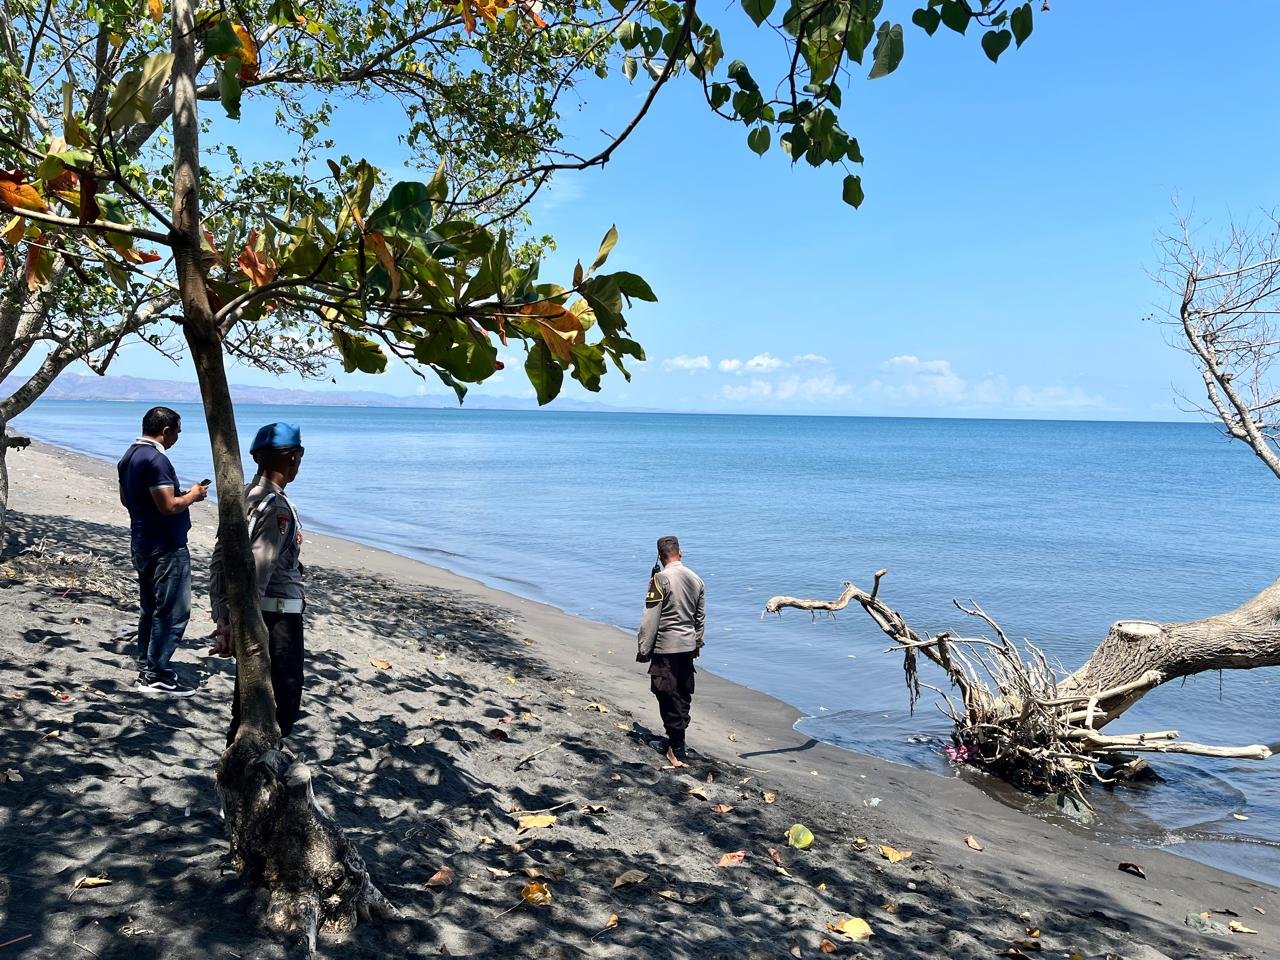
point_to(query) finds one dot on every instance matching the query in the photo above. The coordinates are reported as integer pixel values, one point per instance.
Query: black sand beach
(492, 708)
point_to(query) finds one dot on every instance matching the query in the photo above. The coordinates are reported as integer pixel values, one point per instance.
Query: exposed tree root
(282, 842)
(1015, 715)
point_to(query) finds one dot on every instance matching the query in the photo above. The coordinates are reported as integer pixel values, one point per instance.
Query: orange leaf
(378, 243)
(39, 264)
(559, 328)
(156, 9)
(468, 17)
(248, 54)
(258, 267)
(66, 180)
(533, 8)
(380, 664)
(536, 894)
(732, 859)
(133, 255)
(826, 946)
(972, 842)
(441, 878)
(16, 192)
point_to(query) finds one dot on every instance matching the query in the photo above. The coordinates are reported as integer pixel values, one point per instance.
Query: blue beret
(278, 436)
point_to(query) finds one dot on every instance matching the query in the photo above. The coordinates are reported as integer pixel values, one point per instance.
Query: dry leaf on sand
(536, 894)
(532, 821)
(893, 854)
(855, 928)
(629, 877)
(732, 859)
(441, 878)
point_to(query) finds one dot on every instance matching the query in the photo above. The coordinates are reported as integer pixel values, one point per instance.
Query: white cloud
(908, 381)
(755, 390)
(822, 388)
(762, 363)
(730, 366)
(815, 358)
(688, 364)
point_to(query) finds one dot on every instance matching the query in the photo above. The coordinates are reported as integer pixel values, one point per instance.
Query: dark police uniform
(670, 639)
(275, 537)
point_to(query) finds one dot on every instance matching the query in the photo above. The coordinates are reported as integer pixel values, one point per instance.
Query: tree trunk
(4, 486)
(1241, 639)
(280, 839)
(1019, 719)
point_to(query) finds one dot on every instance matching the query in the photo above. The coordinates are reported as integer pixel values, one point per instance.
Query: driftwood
(1019, 717)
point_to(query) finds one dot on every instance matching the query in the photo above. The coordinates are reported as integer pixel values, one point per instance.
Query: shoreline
(1233, 854)
(1030, 861)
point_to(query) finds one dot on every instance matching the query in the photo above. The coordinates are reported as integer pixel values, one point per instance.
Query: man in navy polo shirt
(158, 525)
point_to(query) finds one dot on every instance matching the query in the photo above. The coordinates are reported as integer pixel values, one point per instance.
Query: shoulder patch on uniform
(655, 593)
(282, 519)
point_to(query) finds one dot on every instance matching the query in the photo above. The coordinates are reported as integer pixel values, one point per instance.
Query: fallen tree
(1026, 720)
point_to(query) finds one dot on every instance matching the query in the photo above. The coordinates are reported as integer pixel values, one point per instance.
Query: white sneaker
(163, 687)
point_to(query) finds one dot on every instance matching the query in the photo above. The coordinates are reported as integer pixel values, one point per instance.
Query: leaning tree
(311, 251)
(1020, 715)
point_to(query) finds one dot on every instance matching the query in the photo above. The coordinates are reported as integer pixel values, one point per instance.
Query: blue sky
(999, 266)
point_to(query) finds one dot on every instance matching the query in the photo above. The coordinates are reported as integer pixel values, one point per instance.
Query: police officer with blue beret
(275, 536)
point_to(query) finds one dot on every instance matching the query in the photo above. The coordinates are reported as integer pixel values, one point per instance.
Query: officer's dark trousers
(671, 680)
(284, 640)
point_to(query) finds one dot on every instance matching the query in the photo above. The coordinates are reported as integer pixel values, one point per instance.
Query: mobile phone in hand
(205, 483)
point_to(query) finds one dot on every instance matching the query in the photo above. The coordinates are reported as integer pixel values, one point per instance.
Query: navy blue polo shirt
(142, 469)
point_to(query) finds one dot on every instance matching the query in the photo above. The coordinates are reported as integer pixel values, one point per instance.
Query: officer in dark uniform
(670, 639)
(275, 536)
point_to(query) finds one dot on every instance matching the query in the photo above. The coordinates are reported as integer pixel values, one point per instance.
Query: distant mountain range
(74, 386)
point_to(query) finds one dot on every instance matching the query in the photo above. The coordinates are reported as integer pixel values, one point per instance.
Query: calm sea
(1056, 528)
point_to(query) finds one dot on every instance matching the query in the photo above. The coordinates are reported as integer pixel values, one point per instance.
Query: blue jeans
(164, 590)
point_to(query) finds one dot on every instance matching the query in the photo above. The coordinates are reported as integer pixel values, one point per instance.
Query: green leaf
(229, 87)
(544, 373)
(629, 34)
(221, 40)
(888, 52)
(996, 42)
(283, 13)
(1021, 23)
(137, 92)
(853, 194)
(857, 37)
(606, 246)
(407, 210)
(438, 185)
(758, 140)
(359, 353)
(956, 14)
(629, 67)
(635, 287)
(588, 365)
(758, 10)
(853, 152)
(927, 19)
(800, 836)
(740, 75)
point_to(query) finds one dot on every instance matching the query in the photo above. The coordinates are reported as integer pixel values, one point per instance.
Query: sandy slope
(408, 760)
